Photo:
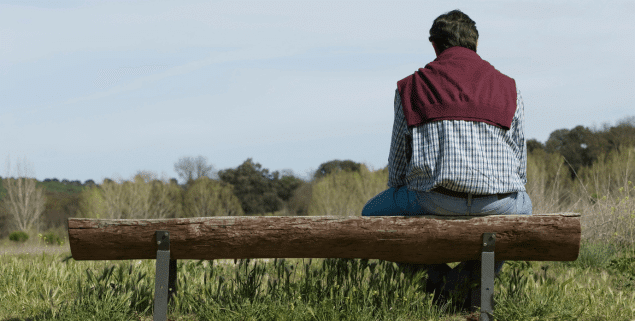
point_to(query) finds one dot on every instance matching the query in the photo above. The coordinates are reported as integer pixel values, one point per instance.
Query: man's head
(452, 29)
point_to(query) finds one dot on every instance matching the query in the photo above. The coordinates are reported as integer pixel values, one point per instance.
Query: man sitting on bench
(458, 147)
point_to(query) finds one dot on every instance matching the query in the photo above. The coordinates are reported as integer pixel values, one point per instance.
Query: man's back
(463, 156)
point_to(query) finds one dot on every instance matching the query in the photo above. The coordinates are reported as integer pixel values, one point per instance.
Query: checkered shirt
(463, 156)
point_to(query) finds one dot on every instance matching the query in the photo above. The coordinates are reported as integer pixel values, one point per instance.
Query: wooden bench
(409, 239)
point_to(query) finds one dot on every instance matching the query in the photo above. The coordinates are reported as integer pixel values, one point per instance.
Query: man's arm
(400, 147)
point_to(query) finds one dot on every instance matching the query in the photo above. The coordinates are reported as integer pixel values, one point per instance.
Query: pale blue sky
(103, 89)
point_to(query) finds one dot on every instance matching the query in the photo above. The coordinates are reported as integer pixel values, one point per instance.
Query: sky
(104, 89)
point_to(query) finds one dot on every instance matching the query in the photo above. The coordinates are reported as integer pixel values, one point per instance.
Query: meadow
(598, 286)
(47, 284)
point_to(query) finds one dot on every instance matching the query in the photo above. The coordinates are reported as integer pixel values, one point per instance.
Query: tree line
(582, 146)
(336, 188)
(248, 189)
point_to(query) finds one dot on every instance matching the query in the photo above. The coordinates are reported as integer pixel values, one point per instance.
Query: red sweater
(458, 85)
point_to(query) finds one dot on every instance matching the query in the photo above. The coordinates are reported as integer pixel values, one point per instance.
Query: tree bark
(423, 239)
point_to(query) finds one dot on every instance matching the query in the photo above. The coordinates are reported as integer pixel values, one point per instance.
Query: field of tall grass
(600, 285)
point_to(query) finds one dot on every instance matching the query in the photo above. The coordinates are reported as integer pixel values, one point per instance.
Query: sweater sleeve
(400, 147)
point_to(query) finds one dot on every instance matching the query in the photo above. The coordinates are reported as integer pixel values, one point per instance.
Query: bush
(51, 238)
(207, 197)
(18, 236)
(344, 193)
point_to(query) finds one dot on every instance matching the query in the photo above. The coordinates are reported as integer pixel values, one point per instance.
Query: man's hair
(452, 29)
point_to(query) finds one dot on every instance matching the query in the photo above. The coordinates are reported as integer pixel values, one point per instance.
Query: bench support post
(487, 276)
(165, 278)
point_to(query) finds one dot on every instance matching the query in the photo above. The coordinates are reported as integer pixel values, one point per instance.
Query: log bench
(410, 239)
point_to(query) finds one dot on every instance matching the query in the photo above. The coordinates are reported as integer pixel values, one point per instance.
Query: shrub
(18, 236)
(344, 193)
(208, 197)
(140, 198)
(51, 238)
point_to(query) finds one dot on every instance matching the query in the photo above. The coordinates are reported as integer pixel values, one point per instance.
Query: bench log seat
(426, 239)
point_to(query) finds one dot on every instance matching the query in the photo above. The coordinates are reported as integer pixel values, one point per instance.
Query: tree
(254, 186)
(112, 199)
(300, 201)
(286, 185)
(92, 203)
(344, 193)
(166, 198)
(335, 166)
(143, 197)
(620, 136)
(534, 144)
(190, 169)
(24, 201)
(60, 205)
(579, 147)
(138, 193)
(208, 197)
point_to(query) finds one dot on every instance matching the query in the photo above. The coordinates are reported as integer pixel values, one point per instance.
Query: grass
(600, 285)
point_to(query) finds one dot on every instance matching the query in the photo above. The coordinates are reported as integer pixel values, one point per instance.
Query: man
(458, 147)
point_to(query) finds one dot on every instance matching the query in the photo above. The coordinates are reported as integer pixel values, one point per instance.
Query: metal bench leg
(163, 276)
(487, 277)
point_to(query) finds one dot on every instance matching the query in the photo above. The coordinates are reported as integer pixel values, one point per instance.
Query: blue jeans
(402, 201)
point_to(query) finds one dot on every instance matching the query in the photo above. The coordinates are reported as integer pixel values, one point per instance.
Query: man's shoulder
(498, 74)
(404, 81)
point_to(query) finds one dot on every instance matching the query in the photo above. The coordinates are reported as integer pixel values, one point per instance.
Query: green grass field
(600, 285)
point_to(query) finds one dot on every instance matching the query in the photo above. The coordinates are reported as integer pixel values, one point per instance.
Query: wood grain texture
(414, 239)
